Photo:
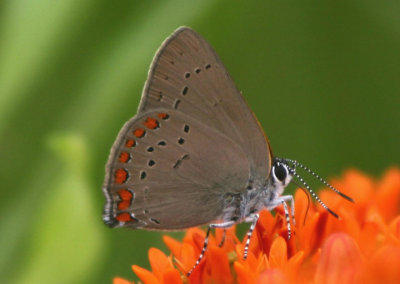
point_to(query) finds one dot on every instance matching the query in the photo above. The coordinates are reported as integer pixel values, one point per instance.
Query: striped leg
(253, 219)
(282, 200)
(203, 251)
(289, 198)
(287, 217)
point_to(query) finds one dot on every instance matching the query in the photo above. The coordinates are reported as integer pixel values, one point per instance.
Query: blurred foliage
(322, 77)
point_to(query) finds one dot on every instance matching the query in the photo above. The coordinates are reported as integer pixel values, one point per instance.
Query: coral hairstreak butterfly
(194, 154)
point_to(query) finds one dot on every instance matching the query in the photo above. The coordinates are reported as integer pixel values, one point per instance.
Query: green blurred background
(322, 77)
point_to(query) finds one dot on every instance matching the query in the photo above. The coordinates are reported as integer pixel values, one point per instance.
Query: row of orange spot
(121, 175)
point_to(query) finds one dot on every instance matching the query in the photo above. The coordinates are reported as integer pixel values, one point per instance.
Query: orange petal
(263, 264)
(239, 251)
(146, 276)
(340, 260)
(188, 257)
(267, 229)
(195, 237)
(272, 276)
(313, 232)
(118, 280)
(293, 266)
(395, 227)
(218, 264)
(368, 239)
(278, 253)
(301, 205)
(198, 241)
(383, 267)
(373, 215)
(244, 276)
(159, 262)
(173, 245)
(388, 194)
(357, 185)
(266, 222)
(348, 223)
(172, 276)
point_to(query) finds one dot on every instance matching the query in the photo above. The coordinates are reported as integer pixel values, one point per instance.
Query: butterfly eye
(280, 172)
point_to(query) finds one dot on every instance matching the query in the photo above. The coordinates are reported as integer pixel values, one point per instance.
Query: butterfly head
(281, 174)
(284, 170)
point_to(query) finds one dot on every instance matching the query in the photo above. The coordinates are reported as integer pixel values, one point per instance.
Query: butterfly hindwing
(168, 170)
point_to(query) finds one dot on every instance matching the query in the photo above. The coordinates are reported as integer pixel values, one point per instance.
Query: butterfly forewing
(165, 163)
(187, 76)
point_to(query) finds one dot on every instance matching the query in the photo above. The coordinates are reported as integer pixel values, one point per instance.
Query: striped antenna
(314, 195)
(295, 163)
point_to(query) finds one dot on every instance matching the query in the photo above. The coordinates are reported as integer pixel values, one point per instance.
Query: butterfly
(195, 154)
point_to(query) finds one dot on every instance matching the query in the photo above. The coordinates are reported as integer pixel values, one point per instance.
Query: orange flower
(363, 246)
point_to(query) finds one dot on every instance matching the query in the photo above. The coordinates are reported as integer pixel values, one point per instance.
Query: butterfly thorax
(256, 198)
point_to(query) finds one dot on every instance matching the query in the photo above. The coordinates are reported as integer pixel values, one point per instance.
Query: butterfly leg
(203, 251)
(287, 217)
(283, 200)
(290, 199)
(253, 219)
(223, 239)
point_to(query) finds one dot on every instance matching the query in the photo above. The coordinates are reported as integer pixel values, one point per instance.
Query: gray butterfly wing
(168, 170)
(187, 75)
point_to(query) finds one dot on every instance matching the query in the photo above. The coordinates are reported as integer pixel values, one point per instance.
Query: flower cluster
(363, 246)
